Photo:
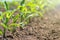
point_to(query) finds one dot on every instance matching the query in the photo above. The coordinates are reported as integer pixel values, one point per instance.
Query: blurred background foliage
(16, 2)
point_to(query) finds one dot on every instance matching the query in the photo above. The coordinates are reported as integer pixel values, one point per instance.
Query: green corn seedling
(28, 10)
(5, 17)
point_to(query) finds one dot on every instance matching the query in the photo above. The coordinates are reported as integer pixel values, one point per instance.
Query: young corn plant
(5, 17)
(5, 20)
(29, 9)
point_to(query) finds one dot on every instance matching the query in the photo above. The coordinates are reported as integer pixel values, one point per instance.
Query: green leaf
(1, 15)
(6, 5)
(41, 14)
(23, 1)
(8, 14)
(15, 18)
(5, 26)
(1, 32)
(5, 20)
(14, 24)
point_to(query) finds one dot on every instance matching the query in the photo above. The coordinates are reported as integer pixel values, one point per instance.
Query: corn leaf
(1, 32)
(5, 26)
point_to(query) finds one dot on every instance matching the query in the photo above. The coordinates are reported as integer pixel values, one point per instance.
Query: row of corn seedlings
(27, 9)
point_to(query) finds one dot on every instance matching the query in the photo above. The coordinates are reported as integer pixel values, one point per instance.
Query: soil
(46, 28)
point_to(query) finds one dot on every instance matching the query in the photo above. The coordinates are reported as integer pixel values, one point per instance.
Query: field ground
(47, 28)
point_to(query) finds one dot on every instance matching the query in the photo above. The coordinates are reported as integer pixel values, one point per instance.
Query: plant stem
(4, 36)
